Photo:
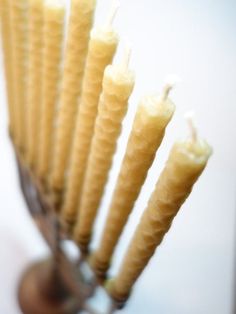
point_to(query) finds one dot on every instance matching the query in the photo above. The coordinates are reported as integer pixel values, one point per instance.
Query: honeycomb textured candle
(6, 43)
(153, 115)
(102, 47)
(117, 87)
(77, 44)
(19, 31)
(186, 162)
(33, 99)
(53, 36)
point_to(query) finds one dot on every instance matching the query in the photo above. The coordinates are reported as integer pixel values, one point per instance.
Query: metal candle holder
(58, 285)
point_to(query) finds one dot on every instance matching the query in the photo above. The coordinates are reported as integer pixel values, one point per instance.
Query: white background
(192, 272)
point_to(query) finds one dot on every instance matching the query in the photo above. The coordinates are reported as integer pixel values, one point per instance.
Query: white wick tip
(126, 57)
(189, 116)
(170, 82)
(112, 14)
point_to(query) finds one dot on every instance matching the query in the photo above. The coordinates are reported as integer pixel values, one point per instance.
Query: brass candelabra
(58, 285)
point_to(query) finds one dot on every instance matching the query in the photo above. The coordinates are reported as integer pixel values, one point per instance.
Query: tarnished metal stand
(57, 285)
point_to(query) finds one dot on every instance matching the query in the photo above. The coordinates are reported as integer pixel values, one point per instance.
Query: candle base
(42, 291)
(83, 243)
(100, 268)
(119, 300)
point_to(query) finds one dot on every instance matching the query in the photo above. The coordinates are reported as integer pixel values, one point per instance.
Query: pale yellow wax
(102, 46)
(118, 84)
(34, 84)
(186, 162)
(19, 31)
(152, 117)
(54, 15)
(80, 23)
(7, 50)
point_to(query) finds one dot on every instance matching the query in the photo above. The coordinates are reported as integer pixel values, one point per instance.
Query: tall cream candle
(7, 50)
(152, 117)
(186, 162)
(19, 31)
(118, 84)
(34, 84)
(102, 46)
(54, 15)
(81, 18)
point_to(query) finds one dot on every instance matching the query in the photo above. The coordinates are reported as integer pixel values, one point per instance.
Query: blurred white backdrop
(193, 270)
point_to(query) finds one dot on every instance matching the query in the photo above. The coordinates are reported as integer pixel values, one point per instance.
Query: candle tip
(171, 81)
(113, 11)
(189, 116)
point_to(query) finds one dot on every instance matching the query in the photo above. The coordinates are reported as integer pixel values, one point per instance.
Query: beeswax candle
(7, 50)
(152, 117)
(118, 84)
(54, 14)
(186, 162)
(33, 99)
(102, 46)
(19, 31)
(81, 18)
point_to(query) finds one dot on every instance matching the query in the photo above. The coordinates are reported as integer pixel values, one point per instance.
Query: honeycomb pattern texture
(101, 50)
(147, 133)
(6, 43)
(33, 97)
(52, 53)
(174, 185)
(81, 19)
(117, 87)
(19, 31)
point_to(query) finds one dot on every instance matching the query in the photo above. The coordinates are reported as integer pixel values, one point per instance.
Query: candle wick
(192, 128)
(126, 58)
(113, 12)
(166, 90)
(171, 81)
